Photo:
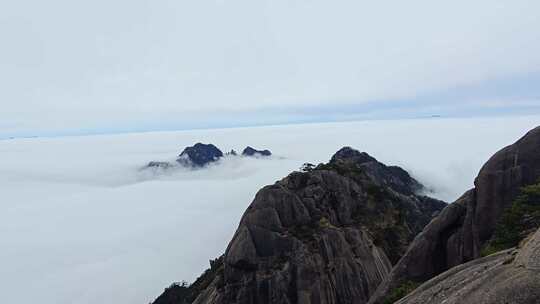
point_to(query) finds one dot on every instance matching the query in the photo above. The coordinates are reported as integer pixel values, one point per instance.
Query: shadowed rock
(329, 235)
(510, 276)
(249, 151)
(199, 155)
(458, 234)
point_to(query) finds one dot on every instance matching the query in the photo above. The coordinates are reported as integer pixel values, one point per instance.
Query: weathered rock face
(199, 155)
(510, 276)
(457, 235)
(329, 235)
(501, 178)
(380, 174)
(249, 151)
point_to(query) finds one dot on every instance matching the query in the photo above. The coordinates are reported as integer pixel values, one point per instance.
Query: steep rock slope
(329, 235)
(458, 234)
(510, 276)
(199, 155)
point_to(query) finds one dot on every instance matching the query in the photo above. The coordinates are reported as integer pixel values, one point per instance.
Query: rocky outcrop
(249, 151)
(382, 175)
(199, 155)
(159, 165)
(327, 235)
(510, 276)
(232, 153)
(458, 234)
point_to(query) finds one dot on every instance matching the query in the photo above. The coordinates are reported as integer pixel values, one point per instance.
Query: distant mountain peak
(249, 151)
(199, 155)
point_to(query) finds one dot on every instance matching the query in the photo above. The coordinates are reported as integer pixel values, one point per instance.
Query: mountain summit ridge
(332, 232)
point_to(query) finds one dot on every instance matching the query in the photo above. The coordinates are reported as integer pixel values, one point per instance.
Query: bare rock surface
(329, 235)
(510, 276)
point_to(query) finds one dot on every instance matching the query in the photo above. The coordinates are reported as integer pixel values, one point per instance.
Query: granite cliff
(327, 235)
(463, 229)
(509, 276)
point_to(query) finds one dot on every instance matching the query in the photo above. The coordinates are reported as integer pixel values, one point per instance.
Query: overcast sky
(81, 66)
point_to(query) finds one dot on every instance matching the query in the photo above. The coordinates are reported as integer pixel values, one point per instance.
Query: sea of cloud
(80, 222)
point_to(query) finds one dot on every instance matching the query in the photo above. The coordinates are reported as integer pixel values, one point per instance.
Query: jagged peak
(348, 159)
(199, 154)
(350, 154)
(200, 145)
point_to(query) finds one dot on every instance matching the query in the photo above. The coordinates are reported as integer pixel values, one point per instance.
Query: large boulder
(463, 228)
(199, 155)
(329, 235)
(510, 276)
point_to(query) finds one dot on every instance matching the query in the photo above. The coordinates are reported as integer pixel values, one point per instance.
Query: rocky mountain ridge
(200, 155)
(355, 231)
(328, 235)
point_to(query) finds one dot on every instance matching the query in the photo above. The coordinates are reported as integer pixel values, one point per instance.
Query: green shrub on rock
(404, 289)
(517, 221)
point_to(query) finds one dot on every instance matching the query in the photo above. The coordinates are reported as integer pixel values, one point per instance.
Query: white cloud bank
(79, 224)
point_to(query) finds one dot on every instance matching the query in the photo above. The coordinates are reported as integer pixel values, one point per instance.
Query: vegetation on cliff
(404, 289)
(517, 221)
